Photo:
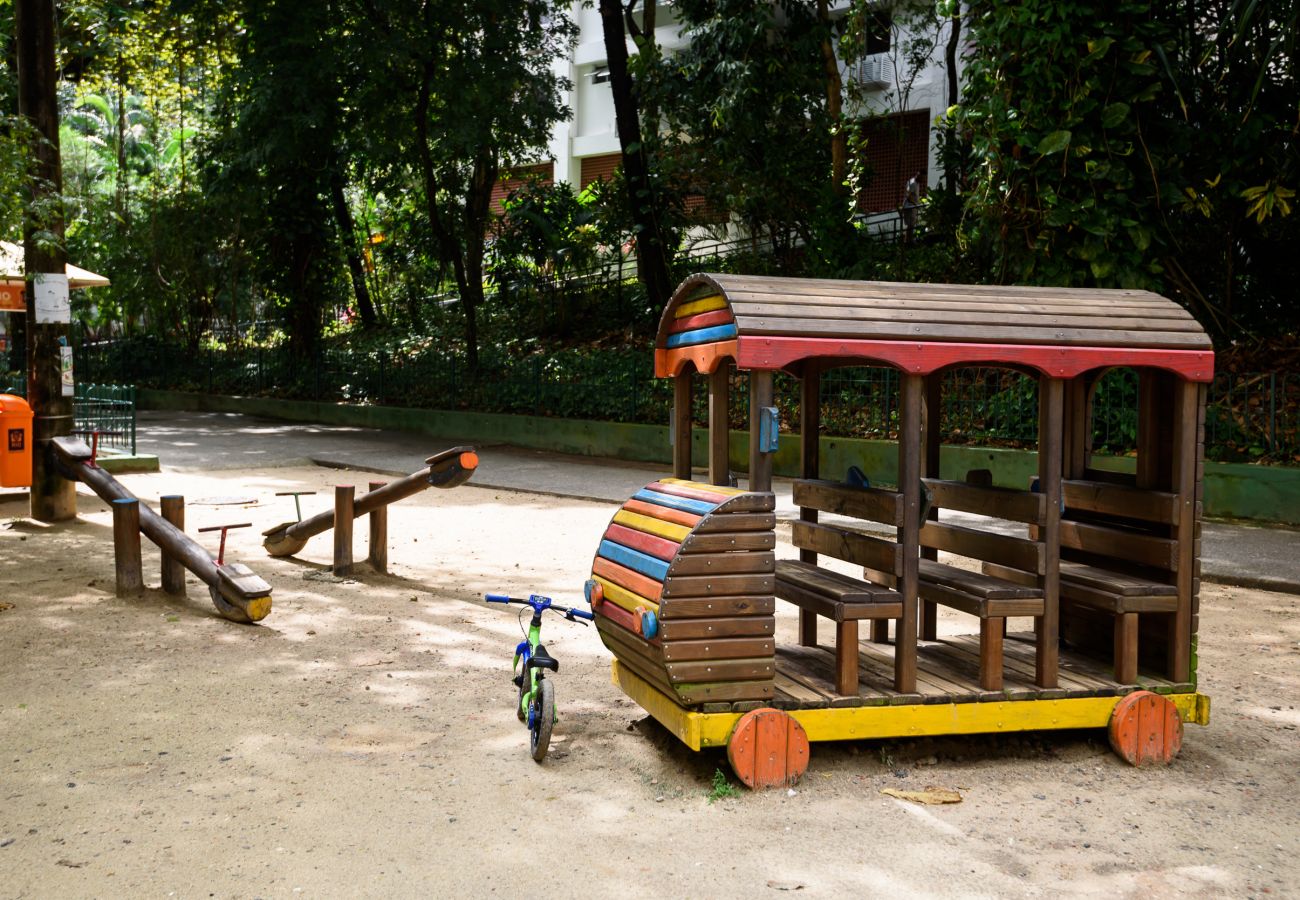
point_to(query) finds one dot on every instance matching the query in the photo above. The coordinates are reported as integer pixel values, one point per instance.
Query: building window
(897, 148)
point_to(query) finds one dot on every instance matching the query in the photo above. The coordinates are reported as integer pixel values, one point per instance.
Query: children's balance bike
(536, 706)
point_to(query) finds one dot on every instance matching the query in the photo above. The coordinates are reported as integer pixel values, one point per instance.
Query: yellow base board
(697, 730)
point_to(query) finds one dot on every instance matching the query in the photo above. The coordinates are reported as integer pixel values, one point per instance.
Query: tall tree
(455, 92)
(643, 196)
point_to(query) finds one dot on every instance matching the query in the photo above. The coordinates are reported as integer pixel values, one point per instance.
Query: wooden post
(378, 557)
(682, 398)
(173, 571)
(53, 498)
(760, 464)
(909, 534)
(719, 427)
(933, 401)
(810, 416)
(344, 495)
(1051, 426)
(126, 547)
(1186, 464)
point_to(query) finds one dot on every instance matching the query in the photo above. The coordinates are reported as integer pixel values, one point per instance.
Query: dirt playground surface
(361, 742)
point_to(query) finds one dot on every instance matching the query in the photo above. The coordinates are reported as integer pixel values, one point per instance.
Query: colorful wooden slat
(702, 320)
(701, 336)
(720, 490)
(705, 357)
(621, 596)
(705, 494)
(635, 560)
(699, 507)
(704, 304)
(654, 511)
(627, 578)
(647, 543)
(627, 621)
(651, 525)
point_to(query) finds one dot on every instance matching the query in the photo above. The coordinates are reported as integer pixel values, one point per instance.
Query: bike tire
(539, 735)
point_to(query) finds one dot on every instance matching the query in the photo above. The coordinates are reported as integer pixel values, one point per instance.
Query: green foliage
(1138, 145)
(722, 789)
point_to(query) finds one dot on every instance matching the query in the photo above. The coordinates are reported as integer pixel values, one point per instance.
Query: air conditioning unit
(874, 72)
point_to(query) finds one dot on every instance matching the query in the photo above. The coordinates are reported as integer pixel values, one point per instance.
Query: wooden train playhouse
(1103, 565)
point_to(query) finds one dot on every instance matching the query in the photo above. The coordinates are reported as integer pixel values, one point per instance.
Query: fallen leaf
(931, 796)
(785, 885)
(70, 864)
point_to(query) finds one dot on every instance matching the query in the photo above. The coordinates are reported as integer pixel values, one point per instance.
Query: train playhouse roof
(777, 323)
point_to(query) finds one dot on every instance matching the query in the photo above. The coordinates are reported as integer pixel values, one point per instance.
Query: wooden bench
(985, 595)
(1114, 560)
(823, 593)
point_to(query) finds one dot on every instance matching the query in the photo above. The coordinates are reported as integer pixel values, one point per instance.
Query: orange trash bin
(15, 442)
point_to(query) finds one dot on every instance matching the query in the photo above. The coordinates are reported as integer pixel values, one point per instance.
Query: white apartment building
(586, 146)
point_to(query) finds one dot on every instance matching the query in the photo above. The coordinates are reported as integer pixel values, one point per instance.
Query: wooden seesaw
(238, 594)
(448, 469)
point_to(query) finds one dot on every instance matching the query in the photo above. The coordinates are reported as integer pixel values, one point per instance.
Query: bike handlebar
(540, 604)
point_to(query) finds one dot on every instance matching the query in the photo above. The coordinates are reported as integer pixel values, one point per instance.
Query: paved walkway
(1232, 553)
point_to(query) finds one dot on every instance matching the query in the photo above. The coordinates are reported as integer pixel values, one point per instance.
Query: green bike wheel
(539, 736)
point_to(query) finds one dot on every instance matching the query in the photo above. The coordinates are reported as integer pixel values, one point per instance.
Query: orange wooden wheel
(1146, 728)
(768, 748)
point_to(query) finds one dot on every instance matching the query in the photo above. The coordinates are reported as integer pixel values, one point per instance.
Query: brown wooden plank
(719, 436)
(873, 504)
(837, 586)
(910, 424)
(850, 546)
(734, 626)
(681, 586)
(836, 611)
(978, 334)
(1051, 450)
(694, 694)
(723, 542)
(984, 545)
(723, 648)
(748, 502)
(760, 397)
(702, 671)
(729, 522)
(974, 583)
(1130, 318)
(1100, 299)
(1117, 500)
(1001, 503)
(984, 608)
(722, 563)
(1144, 549)
(1188, 411)
(713, 607)
(1094, 593)
(683, 389)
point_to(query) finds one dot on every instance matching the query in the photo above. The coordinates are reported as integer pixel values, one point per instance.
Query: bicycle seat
(543, 660)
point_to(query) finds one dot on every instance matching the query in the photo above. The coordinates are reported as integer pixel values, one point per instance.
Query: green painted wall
(1270, 493)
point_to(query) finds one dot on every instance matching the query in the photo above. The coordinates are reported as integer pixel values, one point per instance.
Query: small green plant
(886, 759)
(722, 788)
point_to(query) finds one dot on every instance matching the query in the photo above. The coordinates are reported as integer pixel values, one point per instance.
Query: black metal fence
(101, 412)
(1250, 416)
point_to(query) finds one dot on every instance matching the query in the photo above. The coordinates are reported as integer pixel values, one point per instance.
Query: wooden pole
(909, 533)
(1189, 403)
(682, 399)
(126, 547)
(344, 495)
(719, 433)
(378, 557)
(810, 426)
(1051, 435)
(760, 464)
(53, 497)
(173, 571)
(933, 408)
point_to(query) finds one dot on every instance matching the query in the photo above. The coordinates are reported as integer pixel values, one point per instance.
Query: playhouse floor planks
(947, 672)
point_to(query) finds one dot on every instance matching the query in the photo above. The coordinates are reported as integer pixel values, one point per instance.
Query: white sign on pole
(53, 306)
(65, 371)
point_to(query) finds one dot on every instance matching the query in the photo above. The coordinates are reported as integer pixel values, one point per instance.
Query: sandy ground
(361, 741)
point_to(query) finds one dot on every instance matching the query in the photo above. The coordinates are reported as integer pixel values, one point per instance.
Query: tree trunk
(950, 62)
(347, 235)
(834, 104)
(469, 287)
(651, 252)
(53, 497)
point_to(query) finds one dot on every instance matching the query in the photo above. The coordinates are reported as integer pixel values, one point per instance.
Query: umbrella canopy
(11, 269)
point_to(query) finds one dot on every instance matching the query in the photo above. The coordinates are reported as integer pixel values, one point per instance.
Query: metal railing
(108, 410)
(1251, 417)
